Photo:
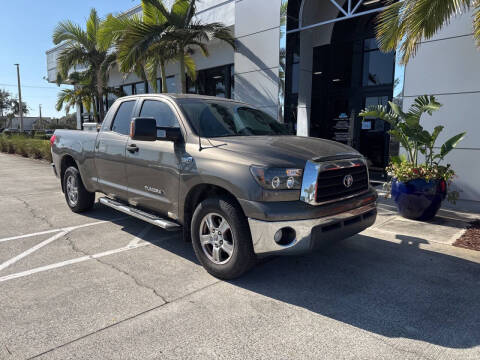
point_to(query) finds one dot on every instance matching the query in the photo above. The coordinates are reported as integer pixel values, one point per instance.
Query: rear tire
(78, 198)
(221, 238)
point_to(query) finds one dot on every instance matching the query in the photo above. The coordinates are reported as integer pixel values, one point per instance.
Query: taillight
(52, 140)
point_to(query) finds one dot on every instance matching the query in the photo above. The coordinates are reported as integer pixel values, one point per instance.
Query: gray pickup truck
(231, 176)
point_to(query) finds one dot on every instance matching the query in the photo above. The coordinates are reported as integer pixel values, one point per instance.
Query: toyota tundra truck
(234, 179)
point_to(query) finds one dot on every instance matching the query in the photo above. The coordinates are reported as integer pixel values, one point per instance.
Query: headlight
(277, 178)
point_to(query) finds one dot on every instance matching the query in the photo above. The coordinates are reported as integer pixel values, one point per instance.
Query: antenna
(199, 134)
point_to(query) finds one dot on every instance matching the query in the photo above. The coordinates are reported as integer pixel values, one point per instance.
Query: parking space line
(32, 249)
(132, 245)
(70, 228)
(70, 262)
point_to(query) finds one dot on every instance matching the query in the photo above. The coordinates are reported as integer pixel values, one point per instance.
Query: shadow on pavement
(394, 290)
(391, 289)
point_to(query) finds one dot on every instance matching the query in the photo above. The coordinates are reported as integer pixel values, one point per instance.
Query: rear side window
(123, 118)
(161, 112)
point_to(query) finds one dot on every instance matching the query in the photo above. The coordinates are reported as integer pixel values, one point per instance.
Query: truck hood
(282, 150)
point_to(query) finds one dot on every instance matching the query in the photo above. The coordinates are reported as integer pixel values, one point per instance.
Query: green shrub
(3, 144)
(26, 146)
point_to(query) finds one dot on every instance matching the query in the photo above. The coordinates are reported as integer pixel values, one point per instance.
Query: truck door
(110, 152)
(153, 167)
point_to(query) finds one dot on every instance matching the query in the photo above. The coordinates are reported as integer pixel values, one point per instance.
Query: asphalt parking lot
(100, 285)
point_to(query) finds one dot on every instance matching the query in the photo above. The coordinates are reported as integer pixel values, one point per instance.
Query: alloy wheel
(216, 238)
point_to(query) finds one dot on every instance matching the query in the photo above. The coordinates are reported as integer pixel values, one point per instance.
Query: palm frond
(93, 23)
(190, 67)
(71, 56)
(404, 24)
(152, 14)
(476, 22)
(67, 31)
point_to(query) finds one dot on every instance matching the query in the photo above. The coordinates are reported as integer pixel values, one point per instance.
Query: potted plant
(419, 181)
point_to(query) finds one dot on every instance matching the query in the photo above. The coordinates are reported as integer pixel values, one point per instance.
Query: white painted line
(31, 250)
(77, 260)
(70, 228)
(69, 262)
(140, 236)
(62, 232)
(30, 235)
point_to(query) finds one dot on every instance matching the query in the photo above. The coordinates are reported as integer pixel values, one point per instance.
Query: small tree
(83, 49)
(407, 130)
(185, 33)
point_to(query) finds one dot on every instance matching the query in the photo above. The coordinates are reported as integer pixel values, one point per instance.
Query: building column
(79, 117)
(305, 84)
(257, 32)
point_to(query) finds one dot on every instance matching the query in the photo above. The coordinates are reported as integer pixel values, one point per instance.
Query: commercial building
(314, 64)
(29, 123)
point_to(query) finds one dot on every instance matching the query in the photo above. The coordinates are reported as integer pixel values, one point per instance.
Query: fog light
(284, 236)
(278, 236)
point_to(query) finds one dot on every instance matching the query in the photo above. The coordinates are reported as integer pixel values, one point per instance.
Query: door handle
(132, 148)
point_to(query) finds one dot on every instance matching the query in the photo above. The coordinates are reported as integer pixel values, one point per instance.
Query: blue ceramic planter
(418, 199)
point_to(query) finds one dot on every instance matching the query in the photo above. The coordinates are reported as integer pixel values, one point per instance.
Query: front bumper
(311, 233)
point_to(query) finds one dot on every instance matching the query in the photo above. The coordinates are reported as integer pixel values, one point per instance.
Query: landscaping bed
(471, 238)
(26, 146)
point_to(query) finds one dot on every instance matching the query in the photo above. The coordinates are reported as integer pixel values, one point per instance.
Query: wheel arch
(196, 195)
(66, 161)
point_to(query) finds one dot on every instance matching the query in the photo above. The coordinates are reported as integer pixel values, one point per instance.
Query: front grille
(330, 183)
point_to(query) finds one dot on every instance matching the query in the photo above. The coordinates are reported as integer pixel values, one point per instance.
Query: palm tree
(140, 43)
(403, 24)
(82, 48)
(184, 33)
(69, 98)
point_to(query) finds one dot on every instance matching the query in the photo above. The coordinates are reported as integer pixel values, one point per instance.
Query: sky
(26, 28)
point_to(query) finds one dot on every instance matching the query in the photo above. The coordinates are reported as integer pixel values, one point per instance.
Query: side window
(162, 113)
(123, 118)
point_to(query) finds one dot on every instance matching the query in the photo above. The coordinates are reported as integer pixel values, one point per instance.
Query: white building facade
(314, 64)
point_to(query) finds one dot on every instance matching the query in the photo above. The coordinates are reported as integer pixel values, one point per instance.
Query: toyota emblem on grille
(348, 180)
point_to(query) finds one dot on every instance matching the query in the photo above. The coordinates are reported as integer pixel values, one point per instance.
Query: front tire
(221, 238)
(78, 198)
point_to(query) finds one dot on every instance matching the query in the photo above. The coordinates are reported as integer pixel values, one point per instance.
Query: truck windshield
(210, 118)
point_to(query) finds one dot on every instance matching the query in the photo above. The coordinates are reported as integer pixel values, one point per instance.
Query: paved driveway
(100, 285)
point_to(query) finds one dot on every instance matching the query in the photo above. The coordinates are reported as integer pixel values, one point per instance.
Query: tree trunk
(101, 108)
(100, 102)
(183, 79)
(95, 113)
(164, 77)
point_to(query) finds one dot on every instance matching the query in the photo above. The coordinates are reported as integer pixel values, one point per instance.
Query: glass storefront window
(378, 67)
(171, 84)
(140, 88)
(216, 81)
(127, 89)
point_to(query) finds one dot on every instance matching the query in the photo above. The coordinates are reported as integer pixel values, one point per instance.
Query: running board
(139, 214)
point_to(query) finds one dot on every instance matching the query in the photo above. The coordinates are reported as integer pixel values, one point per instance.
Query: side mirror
(143, 129)
(169, 133)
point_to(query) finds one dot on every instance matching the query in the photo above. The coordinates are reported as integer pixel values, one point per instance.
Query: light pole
(20, 107)
(40, 115)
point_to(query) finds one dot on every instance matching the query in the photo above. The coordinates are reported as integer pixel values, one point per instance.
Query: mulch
(471, 238)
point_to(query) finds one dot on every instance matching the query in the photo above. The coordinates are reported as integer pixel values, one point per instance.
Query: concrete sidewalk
(449, 224)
